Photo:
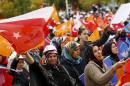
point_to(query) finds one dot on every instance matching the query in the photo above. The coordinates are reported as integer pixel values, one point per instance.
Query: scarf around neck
(68, 57)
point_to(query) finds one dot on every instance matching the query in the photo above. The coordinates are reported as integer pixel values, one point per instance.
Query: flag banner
(122, 14)
(23, 35)
(63, 29)
(118, 26)
(123, 49)
(5, 78)
(124, 80)
(5, 47)
(127, 28)
(54, 15)
(43, 13)
(76, 25)
(26, 31)
(94, 36)
(91, 26)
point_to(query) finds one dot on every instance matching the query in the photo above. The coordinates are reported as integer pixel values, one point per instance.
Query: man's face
(84, 35)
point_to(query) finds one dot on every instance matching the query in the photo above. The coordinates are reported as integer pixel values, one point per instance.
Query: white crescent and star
(16, 35)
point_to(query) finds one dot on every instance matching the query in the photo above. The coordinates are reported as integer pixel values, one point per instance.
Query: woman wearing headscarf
(19, 72)
(110, 50)
(96, 73)
(72, 61)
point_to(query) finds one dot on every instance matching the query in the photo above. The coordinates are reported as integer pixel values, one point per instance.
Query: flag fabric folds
(23, 35)
(63, 28)
(123, 48)
(94, 36)
(26, 31)
(5, 78)
(5, 47)
(117, 26)
(125, 79)
(43, 13)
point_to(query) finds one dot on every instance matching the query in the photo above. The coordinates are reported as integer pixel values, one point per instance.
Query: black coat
(20, 78)
(39, 76)
(75, 70)
(59, 75)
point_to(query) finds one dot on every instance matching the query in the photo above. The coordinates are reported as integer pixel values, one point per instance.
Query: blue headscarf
(67, 53)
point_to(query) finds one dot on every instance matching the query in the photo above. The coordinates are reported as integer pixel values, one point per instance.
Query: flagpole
(67, 9)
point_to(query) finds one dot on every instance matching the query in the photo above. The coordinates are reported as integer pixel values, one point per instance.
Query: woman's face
(97, 53)
(84, 35)
(76, 52)
(20, 64)
(114, 48)
(52, 58)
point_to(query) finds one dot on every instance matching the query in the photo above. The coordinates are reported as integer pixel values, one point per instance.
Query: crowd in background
(72, 62)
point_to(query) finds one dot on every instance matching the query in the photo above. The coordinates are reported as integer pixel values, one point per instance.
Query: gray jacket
(97, 76)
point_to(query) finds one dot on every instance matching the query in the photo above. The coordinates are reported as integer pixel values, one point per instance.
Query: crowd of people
(76, 62)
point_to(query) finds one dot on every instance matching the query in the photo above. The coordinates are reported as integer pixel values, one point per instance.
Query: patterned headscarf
(68, 50)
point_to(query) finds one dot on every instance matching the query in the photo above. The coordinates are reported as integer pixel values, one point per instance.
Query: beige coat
(97, 76)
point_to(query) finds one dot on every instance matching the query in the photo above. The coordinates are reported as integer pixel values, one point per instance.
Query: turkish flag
(117, 26)
(5, 78)
(24, 34)
(91, 26)
(42, 13)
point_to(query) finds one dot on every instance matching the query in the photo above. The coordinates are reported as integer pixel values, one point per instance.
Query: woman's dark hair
(126, 22)
(14, 64)
(90, 54)
(107, 48)
(81, 30)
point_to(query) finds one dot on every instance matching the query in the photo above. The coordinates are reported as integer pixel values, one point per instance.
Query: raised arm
(28, 58)
(107, 31)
